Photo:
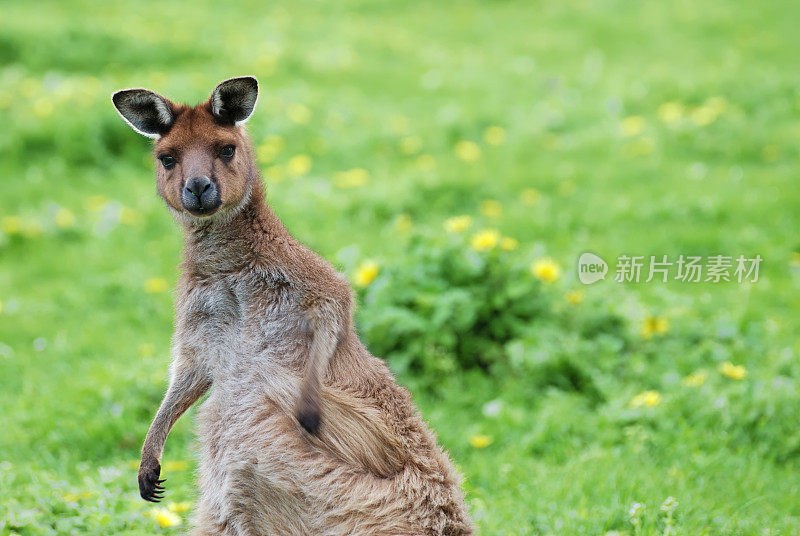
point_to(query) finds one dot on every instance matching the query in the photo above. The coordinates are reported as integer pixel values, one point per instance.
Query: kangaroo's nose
(198, 186)
(200, 196)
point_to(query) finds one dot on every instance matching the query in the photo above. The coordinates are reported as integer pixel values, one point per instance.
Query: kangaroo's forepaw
(150, 487)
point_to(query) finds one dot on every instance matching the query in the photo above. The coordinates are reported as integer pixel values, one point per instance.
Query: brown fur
(268, 323)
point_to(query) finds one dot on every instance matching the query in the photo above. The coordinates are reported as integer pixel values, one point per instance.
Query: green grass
(83, 347)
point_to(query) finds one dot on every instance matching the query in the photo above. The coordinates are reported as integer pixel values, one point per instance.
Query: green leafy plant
(446, 305)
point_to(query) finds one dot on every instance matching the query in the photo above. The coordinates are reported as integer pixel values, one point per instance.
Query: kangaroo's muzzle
(200, 196)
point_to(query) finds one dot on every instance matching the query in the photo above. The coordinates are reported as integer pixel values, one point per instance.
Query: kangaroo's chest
(237, 326)
(209, 321)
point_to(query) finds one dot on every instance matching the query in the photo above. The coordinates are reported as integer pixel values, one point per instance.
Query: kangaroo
(303, 431)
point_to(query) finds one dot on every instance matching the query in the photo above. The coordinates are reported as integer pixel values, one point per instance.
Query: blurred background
(454, 159)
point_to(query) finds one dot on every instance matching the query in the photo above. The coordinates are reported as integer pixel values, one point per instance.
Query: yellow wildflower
(299, 114)
(426, 162)
(146, 349)
(633, 125)
(734, 372)
(552, 142)
(770, 153)
(494, 135)
(794, 260)
(718, 104)
(567, 188)
(165, 518)
(91, 86)
(11, 225)
(352, 178)
(366, 273)
(65, 218)
(298, 165)
(32, 229)
(30, 87)
(1, 307)
(670, 112)
(158, 78)
(403, 222)
(276, 141)
(155, 285)
(530, 196)
(457, 224)
(75, 497)
(410, 145)
(128, 216)
(399, 124)
(485, 240)
(269, 148)
(275, 173)
(480, 441)
(639, 147)
(42, 108)
(703, 116)
(546, 270)
(575, 297)
(696, 379)
(709, 112)
(468, 151)
(491, 208)
(179, 507)
(266, 63)
(95, 202)
(176, 465)
(509, 244)
(647, 399)
(653, 325)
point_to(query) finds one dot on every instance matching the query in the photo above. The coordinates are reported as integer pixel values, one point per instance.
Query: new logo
(591, 268)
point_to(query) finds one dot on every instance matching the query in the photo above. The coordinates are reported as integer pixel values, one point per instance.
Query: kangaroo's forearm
(322, 347)
(326, 334)
(188, 382)
(185, 389)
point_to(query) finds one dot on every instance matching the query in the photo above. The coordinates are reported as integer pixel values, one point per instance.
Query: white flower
(635, 512)
(492, 409)
(670, 504)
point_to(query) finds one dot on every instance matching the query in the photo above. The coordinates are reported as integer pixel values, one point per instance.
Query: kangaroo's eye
(167, 160)
(227, 152)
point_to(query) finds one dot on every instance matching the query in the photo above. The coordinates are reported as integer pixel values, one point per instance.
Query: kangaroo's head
(205, 167)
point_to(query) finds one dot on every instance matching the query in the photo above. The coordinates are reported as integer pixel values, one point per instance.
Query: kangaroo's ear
(234, 100)
(146, 112)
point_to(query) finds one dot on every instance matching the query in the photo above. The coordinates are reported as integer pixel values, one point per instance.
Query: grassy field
(621, 128)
